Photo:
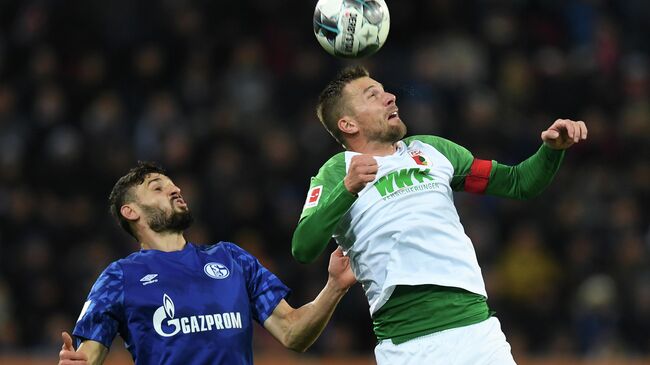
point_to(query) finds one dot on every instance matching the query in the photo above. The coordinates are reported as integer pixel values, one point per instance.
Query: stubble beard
(391, 134)
(175, 222)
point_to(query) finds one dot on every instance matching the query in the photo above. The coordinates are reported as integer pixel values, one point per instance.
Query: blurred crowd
(222, 94)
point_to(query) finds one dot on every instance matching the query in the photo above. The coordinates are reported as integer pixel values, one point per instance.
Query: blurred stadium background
(222, 94)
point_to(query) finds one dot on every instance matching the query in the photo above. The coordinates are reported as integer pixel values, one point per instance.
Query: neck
(375, 148)
(165, 241)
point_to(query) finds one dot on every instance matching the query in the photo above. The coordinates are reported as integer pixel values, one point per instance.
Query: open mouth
(393, 115)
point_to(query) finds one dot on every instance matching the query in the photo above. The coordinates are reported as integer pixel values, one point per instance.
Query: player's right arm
(98, 322)
(331, 193)
(89, 352)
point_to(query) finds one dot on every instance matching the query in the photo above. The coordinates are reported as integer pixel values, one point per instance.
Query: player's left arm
(298, 328)
(530, 177)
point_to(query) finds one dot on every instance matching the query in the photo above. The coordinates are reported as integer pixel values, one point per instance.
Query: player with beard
(388, 202)
(176, 302)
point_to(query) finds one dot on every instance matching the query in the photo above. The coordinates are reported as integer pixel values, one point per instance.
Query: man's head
(355, 105)
(146, 196)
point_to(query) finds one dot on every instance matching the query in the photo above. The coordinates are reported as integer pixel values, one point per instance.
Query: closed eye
(373, 90)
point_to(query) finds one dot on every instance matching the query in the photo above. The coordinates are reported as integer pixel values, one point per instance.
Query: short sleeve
(265, 290)
(102, 312)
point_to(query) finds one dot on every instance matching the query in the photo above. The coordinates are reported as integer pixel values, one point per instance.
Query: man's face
(161, 204)
(374, 111)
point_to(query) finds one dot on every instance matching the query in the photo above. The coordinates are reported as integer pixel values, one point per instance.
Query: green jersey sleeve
(527, 179)
(522, 181)
(326, 202)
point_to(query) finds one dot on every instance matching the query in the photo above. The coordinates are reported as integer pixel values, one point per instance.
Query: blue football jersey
(193, 306)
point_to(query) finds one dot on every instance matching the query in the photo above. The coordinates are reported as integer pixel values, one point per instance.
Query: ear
(348, 125)
(129, 212)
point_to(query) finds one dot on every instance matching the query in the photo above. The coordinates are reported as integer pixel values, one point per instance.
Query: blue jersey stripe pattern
(263, 285)
(193, 306)
(104, 306)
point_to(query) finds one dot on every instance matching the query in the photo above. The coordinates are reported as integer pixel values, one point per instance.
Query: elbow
(298, 252)
(297, 347)
(295, 343)
(527, 195)
(524, 196)
(524, 192)
(299, 343)
(300, 255)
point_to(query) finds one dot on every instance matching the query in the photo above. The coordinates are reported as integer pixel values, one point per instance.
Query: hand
(340, 272)
(68, 356)
(563, 133)
(363, 169)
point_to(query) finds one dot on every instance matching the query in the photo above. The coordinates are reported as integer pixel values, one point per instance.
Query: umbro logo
(149, 279)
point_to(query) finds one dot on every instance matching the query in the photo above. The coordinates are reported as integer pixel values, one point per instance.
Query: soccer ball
(351, 28)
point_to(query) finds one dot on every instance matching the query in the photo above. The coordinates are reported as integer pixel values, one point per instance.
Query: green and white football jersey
(403, 228)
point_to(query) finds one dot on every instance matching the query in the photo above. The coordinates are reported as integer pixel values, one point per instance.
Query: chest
(198, 290)
(411, 165)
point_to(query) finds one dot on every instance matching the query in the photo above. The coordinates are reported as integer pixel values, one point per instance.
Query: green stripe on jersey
(415, 311)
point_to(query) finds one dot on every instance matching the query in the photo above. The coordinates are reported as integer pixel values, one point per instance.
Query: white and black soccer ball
(351, 28)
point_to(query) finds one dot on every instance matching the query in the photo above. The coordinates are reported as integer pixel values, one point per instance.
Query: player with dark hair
(176, 302)
(388, 202)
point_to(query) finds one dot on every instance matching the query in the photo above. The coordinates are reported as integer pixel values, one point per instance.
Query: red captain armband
(479, 176)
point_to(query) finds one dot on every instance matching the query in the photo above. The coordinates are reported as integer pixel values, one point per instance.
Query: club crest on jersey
(216, 270)
(419, 157)
(313, 196)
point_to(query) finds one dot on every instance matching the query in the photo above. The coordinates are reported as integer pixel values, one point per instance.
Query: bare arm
(88, 353)
(297, 329)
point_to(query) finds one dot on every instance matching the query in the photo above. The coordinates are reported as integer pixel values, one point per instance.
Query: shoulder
(116, 267)
(112, 278)
(335, 162)
(434, 141)
(134, 260)
(221, 246)
(228, 248)
(443, 145)
(334, 168)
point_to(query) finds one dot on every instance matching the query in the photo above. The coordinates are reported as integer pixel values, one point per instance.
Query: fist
(363, 169)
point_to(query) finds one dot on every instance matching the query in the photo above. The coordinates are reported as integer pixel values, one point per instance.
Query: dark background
(222, 93)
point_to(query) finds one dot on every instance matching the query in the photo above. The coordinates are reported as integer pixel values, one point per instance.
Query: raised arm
(297, 329)
(530, 177)
(522, 181)
(88, 353)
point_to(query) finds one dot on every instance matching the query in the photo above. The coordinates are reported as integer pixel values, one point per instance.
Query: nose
(175, 190)
(390, 99)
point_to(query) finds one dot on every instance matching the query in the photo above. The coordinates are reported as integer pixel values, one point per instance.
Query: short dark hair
(330, 104)
(122, 190)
